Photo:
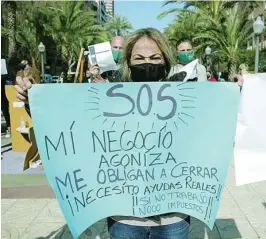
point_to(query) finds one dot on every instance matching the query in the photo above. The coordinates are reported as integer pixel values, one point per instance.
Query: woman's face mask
(147, 72)
(117, 55)
(185, 56)
(147, 63)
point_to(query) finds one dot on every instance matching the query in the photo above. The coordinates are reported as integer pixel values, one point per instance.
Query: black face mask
(22, 66)
(147, 72)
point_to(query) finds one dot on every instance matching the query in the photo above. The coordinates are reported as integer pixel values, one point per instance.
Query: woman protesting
(147, 58)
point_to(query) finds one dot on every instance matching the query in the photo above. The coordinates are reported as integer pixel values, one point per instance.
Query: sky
(143, 14)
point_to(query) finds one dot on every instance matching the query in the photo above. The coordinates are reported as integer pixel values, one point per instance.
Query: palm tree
(26, 37)
(186, 25)
(191, 21)
(71, 27)
(10, 27)
(223, 24)
(118, 25)
(228, 34)
(188, 6)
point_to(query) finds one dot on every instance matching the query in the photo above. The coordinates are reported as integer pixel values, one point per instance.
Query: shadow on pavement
(224, 228)
(6, 150)
(55, 234)
(264, 204)
(98, 229)
(6, 145)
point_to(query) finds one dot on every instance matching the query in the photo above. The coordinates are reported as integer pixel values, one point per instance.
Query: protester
(88, 76)
(220, 78)
(147, 57)
(185, 55)
(28, 71)
(210, 76)
(242, 69)
(5, 105)
(117, 46)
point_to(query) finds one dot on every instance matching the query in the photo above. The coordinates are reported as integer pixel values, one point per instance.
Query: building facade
(99, 7)
(109, 4)
(102, 14)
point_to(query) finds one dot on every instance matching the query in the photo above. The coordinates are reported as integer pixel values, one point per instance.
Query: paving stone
(235, 228)
(24, 210)
(6, 204)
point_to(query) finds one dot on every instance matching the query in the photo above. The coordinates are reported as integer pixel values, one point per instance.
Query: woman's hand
(23, 84)
(95, 71)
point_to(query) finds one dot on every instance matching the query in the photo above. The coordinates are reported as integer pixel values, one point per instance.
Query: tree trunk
(263, 19)
(231, 70)
(64, 55)
(33, 62)
(11, 28)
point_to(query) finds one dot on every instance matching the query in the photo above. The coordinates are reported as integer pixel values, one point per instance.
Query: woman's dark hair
(183, 40)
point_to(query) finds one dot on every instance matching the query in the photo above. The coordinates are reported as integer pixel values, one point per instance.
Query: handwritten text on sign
(135, 149)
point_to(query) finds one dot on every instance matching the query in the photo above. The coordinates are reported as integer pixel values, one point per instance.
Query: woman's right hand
(95, 70)
(23, 84)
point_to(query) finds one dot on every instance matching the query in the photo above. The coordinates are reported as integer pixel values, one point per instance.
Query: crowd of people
(184, 55)
(145, 56)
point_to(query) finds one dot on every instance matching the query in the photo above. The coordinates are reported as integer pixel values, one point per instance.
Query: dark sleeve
(27, 108)
(113, 76)
(180, 76)
(108, 75)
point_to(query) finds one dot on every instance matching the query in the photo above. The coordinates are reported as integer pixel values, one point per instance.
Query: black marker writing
(61, 141)
(47, 140)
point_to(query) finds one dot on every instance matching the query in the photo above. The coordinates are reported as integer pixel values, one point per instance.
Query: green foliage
(26, 33)
(248, 57)
(4, 31)
(223, 25)
(71, 27)
(118, 25)
(26, 37)
(68, 23)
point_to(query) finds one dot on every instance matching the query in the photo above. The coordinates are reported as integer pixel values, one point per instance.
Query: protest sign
(190, 70)
(3, 67)
(101, 54)
(250, 146)
(135, 149)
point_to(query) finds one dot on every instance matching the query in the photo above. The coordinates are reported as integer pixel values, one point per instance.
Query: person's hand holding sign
(95, 71)
(23, 84)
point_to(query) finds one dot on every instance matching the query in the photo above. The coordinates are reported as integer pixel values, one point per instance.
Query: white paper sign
(101, 54)
(250, 144)
(3, 67)
(190, 69)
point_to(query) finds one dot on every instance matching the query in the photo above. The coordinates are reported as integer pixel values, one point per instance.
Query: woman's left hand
(98, 79)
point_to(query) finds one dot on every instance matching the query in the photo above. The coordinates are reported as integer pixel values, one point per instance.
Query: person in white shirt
(185, 55)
